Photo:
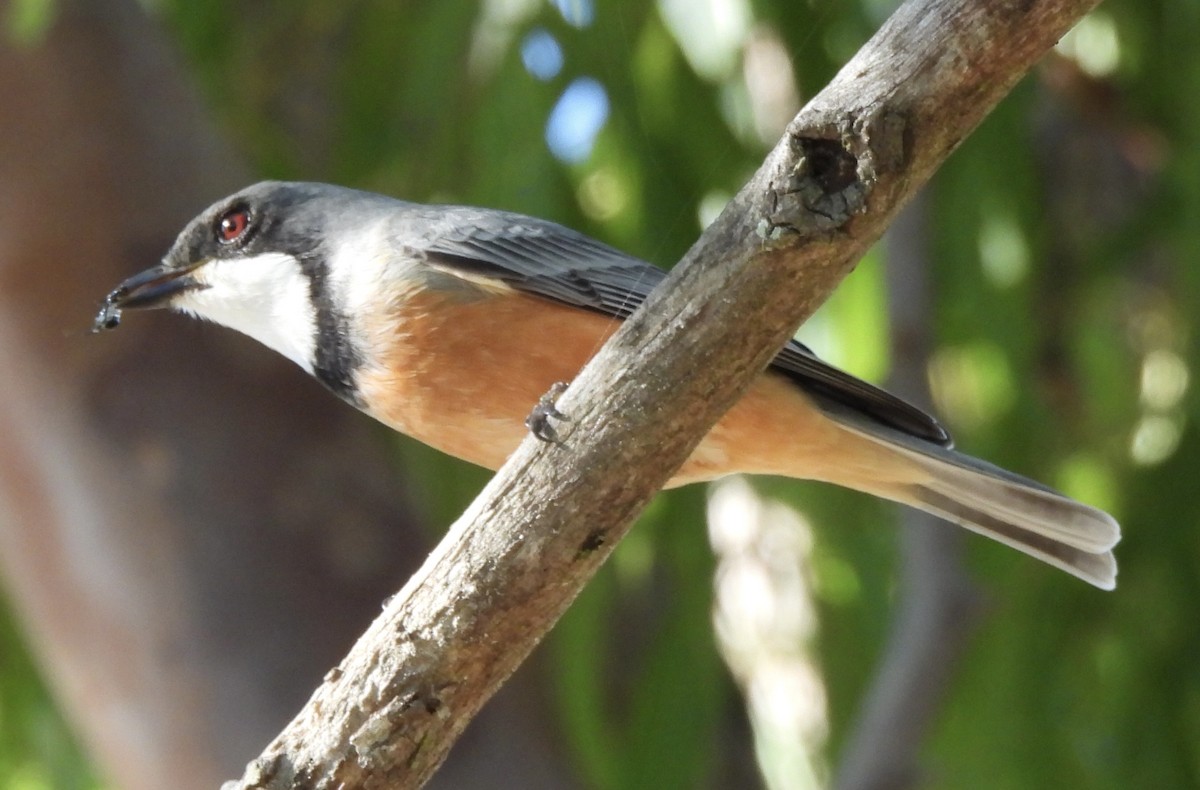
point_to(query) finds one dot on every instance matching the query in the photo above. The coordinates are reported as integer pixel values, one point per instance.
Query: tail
(1003, 506)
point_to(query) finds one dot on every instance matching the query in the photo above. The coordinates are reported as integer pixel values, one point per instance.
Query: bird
(433, 319)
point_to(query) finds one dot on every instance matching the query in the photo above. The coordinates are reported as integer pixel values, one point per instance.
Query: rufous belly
(462, 376)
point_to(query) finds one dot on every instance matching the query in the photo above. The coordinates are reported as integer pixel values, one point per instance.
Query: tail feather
(1010, 497)
(1006, 507)
(1095, 564)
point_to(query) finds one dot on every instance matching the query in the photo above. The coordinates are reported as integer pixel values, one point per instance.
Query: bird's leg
(538, 421)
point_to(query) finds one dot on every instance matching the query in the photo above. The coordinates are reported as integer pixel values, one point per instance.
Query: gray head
(260, 261)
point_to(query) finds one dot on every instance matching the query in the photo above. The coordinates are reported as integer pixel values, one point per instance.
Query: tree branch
(507, 569)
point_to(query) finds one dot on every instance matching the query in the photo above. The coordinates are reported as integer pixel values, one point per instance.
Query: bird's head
(262, 261)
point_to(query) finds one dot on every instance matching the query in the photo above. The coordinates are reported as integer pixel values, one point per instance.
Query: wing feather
(555, 262)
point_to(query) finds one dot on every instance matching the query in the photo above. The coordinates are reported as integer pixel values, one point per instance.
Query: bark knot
(830, 172)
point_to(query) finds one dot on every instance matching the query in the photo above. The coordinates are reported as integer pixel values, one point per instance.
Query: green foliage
(1062, 245)
(639, 684)
(37, 751)
(25, 22)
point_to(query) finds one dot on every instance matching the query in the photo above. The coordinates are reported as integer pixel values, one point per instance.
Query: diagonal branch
(507, 569)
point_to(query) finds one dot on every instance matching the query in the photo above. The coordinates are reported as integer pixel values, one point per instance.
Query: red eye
(232, 225)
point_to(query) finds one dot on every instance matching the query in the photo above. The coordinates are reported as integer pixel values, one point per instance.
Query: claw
(538, 421)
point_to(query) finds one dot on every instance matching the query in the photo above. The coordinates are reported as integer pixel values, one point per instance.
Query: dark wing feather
(552, 261)
(542, 258)
(831, 386)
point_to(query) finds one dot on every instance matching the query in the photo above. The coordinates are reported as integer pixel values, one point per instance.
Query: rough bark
(512, 563)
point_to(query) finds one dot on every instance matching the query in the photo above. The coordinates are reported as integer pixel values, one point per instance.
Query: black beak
(150, 289)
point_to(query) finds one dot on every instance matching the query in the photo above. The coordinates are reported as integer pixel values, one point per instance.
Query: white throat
(264, 296)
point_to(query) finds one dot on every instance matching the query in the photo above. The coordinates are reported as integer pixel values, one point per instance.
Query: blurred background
(192, 533)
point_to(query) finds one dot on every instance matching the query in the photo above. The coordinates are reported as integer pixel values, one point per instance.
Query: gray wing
(549, 260)
(537, 257)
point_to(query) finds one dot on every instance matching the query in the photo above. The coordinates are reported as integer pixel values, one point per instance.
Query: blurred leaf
(26, 21)
(37, 749)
